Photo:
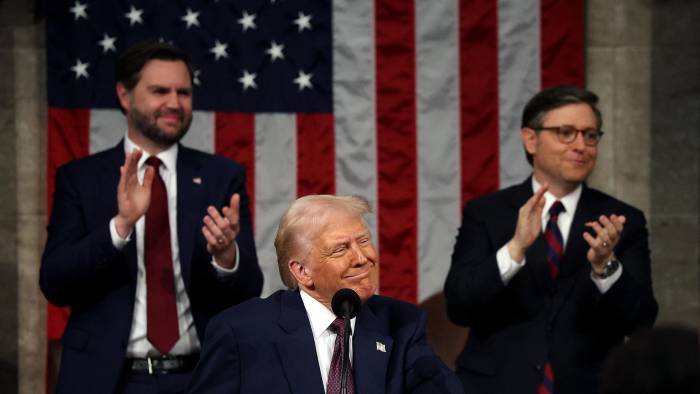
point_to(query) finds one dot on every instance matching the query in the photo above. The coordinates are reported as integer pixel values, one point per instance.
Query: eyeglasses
(568, 134)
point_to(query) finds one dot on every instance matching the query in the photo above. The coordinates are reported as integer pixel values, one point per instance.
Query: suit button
(538, 367)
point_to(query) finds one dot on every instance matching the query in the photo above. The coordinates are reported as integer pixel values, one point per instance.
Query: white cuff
(223, 272)
(605, 284)
(506, 265)
(118, 241)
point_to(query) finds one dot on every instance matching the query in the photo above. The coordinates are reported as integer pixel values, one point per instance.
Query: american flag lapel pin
(381, 347)
(197, 180)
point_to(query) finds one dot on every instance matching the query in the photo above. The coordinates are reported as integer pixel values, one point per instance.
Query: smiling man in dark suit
(147, 240)
(288, 343)
(549, 274)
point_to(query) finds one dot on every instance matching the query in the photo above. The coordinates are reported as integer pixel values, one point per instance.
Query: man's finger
(232, 212)
(213, 228)
(148, 177)
(536, 198)
(618, 222)
(211, 239)
(589, 239)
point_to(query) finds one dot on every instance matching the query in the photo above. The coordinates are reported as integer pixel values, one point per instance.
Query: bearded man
(147, 240)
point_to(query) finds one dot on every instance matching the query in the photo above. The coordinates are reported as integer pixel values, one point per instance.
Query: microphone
(346, 305)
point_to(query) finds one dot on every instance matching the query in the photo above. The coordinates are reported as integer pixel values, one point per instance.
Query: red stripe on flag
(562, 42)
(315, 154)
(235, 139)
(478, 66)
(68, 139)
(396, 147)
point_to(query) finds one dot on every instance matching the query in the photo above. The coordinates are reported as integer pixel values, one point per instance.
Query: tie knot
(556, 209)
(338, 326)
(154, 161)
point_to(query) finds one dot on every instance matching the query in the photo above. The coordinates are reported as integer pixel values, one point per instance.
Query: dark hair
(654, 361)
(555, 97)
(131, 62)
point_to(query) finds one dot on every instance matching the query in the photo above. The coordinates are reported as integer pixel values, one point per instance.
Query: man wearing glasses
(549, 274)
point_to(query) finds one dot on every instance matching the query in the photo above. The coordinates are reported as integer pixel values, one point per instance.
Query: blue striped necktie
(554, 250)
(554, 241)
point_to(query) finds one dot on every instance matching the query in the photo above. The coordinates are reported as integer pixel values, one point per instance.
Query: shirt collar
(168, 156)
(570, 201)
(320, 317)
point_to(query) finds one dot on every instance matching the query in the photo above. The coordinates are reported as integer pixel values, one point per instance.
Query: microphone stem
(346, 355)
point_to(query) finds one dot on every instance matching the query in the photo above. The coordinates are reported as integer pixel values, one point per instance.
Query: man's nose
(173, 100)
(579, 142)
(361, 258)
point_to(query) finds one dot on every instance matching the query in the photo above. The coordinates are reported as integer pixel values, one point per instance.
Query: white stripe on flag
(107, 128)
(519, 79)
(201, 133)
(353, 102)
(438, 144)
(275, 187)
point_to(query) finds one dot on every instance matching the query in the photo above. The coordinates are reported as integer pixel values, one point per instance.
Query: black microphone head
(346, 302)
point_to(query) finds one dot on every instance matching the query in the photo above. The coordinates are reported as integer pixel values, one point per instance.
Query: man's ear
(123, 95)
(529, 138)
(300, 273)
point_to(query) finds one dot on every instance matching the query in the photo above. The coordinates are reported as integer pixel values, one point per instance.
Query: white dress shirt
(188, 343)
(321, 318)
(509, 267)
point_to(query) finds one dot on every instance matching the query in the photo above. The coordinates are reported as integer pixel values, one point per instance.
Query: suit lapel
(296, 348)
(369, 362)
(189, 207)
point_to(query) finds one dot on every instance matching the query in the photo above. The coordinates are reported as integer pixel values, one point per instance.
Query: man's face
(160, 105)
(342, 256)
(556, 162)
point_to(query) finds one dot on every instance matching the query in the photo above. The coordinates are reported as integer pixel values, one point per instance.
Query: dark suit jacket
(267, 346)
(82, 269)
(516, 328)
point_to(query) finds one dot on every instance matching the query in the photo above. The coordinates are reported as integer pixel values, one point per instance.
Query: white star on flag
(80, 69)
(195, 77)
(191, 18)
(303, 21)
(107, 43)
(303, 80)
(248, 80)
(219, 50)
(78, 10)
(275, 51)
(134, 16)
(247, 21)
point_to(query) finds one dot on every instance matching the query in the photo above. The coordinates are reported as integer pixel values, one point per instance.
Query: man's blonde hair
(302, 222)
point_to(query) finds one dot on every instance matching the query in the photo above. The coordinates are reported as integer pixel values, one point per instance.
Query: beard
(147, 125)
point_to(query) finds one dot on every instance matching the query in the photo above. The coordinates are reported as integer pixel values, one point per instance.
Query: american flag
(414, 104)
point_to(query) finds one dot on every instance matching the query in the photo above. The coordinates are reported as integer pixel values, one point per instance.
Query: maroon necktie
(161, 310)
(334, 375)
(554, 248)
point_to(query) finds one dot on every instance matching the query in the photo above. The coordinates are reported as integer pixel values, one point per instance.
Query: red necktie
(554, 248)
(161, 310)
(334, 375)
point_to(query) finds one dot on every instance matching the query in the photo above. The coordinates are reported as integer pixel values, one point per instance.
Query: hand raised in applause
(220, 230)
(133, 197)
(608, 230)
(529, 225)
